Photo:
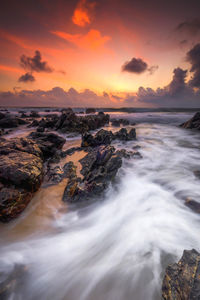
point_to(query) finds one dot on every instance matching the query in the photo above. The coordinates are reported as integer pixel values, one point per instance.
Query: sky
(103, 53)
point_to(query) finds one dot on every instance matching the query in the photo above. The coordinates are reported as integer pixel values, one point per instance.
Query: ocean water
(118, 248)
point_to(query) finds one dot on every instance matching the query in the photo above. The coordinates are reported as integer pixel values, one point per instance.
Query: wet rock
(40, 129)
(128, 154)
(124, 135)
(194, 122)
(21, 173)
(99, 168)
(105, 137)
(90, 111)
(182, 279)
(2, 115)
(69, 122)
(9, 122)
(193, 205)
(49, 143)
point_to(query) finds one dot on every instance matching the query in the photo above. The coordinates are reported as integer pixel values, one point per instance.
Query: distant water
(116, 249)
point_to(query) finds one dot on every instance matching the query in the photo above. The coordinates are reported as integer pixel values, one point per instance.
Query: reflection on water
(117, 249)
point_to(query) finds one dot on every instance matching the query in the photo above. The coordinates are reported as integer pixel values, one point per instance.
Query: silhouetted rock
(182, 279)
(193, 205)
(90, 111)
(194, 122)
(118, 122)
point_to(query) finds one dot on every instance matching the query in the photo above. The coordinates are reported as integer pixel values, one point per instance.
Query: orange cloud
(93, 40)
(83, 13)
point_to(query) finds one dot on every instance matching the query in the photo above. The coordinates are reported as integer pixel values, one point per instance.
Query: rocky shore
(26, 163)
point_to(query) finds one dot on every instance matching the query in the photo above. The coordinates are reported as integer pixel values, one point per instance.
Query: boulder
(118, 122)
(34, 114)
(182, 279)
(194, 122)
(48, 143)
(21, 173)
(99, 168)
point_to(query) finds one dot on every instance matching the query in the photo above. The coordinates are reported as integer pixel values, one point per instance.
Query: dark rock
(193, 205)
(34, 114)
(23, 115)
(9, 122)
(99, 168)
(90, 111)
(40, 129)
(35, 123)
(122, 135)
(128, 154)
(49, 143)
(21, 173)
(194, 122)
(69, 122)
(118, 122)
(2, 115)
(182, 279)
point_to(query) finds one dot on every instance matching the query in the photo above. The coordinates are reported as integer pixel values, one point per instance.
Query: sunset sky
(100, 53)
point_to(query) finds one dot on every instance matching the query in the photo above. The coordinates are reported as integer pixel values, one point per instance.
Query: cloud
(27, 77)
(35, 63)
(178, 93)
(83, 13)
(152, 69)
(138, 66)
(193, 57)
(55, 97)
(190, 26)
(135, 65)
(92, 40)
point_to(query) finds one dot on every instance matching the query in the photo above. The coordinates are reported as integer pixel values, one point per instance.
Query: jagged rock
(35, 123)
(99, 168)
(182, 279)
(9, 122)
(194, 122)
(49, 143)
(105, 137)
(90, 111)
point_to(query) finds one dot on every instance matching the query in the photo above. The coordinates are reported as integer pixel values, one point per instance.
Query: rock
(193, 205)
(35, 123)
(34, 114)
(99, 168)
(2, 115)
(194, 122)
(9, 122)
(40, 129)
(49, 143)
(182, 279)
(105, 137)
(128, 154)
(90, 111)
(21, 173)
(69, 122)
(115, 123)
(118, 122)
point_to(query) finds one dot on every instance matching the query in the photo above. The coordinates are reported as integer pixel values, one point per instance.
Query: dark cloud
(190, 26)
(27, 77)
(193, 57)
(177, 85)
(35, 63)
(135, 65)
(138, 66)
(152, 69)
(178, 93)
